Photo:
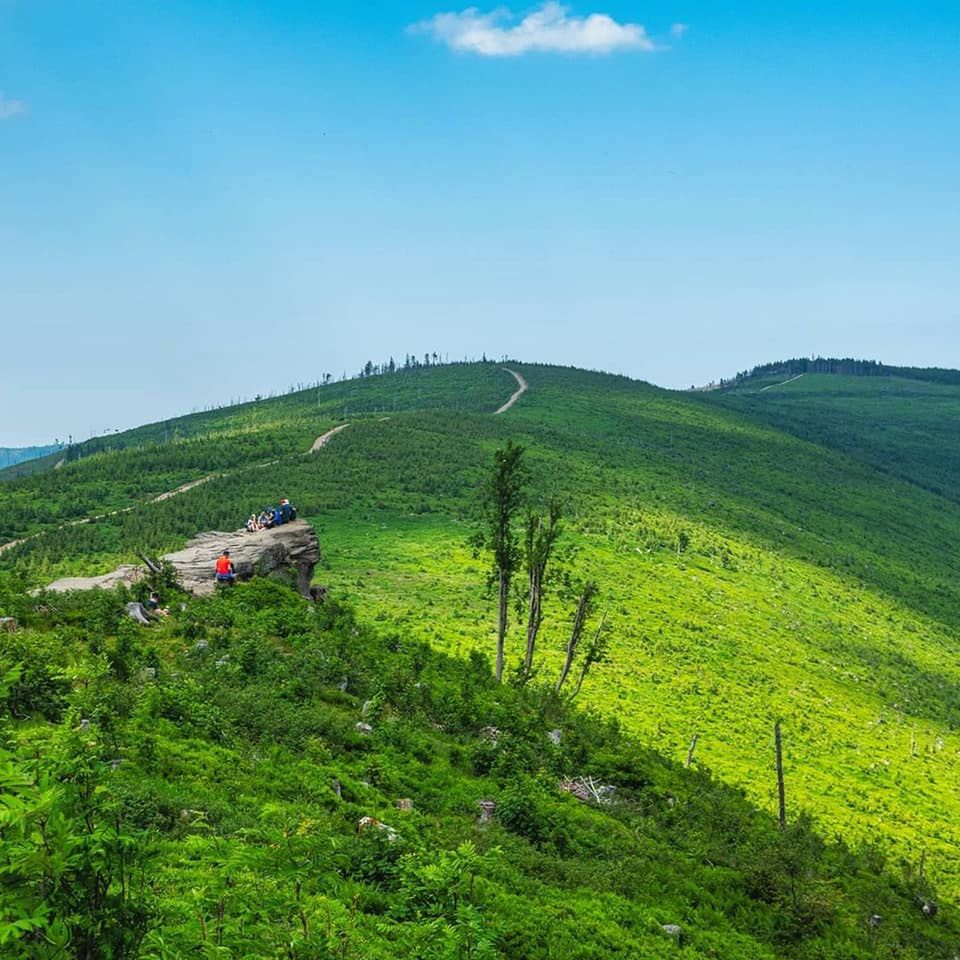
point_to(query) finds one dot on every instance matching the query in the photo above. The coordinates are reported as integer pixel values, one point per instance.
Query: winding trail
(324, 439)
(112, 513)
(783, 383)
(181, 489)
(318, 444)
(516, 396)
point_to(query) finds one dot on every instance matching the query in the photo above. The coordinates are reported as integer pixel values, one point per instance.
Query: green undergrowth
(203, 782)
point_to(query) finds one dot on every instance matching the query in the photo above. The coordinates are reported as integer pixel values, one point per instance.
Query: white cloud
(549, 29)
(678, 30)
(10, 108)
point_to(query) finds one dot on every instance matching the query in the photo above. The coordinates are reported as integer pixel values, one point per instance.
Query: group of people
(272, 517)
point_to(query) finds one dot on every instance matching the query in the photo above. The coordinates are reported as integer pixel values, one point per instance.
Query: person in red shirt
(225, 571)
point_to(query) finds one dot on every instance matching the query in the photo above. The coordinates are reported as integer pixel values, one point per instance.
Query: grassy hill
(905, 426)
(751, 572)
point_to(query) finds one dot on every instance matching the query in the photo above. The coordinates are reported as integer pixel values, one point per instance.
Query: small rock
(337, 788)
(555, 737)
(137, 613)
(672, 930)
(487, 809)
(84, 724)
(405, 803)
(368, 705)
(148, 673)
(342, 685)
(874, 920)
(200, 646)
(223, 661)
(363, 728)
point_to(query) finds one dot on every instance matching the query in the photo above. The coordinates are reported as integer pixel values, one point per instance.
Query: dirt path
(169, 495)
(112, 513)
(182, 489)
(782, 383)
(323, 440)
(516, 396)
(318, 444)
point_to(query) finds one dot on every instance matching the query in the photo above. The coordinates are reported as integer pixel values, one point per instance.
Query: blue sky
(201, 201)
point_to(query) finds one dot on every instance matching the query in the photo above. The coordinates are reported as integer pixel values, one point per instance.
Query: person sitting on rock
(266, 519)
(225, 572)
(286, 511)
(277, 517)
(253, 524)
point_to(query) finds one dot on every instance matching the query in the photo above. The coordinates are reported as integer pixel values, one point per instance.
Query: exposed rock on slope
(292, 546)
(128, 575)
(253, 554)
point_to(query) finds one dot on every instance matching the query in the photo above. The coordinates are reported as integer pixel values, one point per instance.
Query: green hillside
(201, 788)
(751, 572)
(903, 425)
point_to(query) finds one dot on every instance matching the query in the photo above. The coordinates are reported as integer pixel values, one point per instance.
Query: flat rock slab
(122, 575)
(292, 545)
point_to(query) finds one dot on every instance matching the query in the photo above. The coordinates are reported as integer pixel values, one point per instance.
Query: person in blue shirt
(286, 511)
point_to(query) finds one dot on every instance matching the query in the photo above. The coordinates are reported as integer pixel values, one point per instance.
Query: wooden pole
(693, 746)
(780, 787)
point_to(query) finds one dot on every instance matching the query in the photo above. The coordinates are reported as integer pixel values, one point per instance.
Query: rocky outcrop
(127, 575)
(292, 546)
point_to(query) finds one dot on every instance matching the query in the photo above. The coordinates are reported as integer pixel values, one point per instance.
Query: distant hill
(10, 456)
(902, 421)
(846, 366)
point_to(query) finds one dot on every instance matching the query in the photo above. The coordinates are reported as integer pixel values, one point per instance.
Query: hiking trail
(318, 444)
(783, 383)
(325, 438)
(522, 384)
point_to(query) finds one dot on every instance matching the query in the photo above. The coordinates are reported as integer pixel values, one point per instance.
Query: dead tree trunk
(693, 746)
(541, 536)
(576, 634)
(502, 621)
(534, 620)
(781, 791)
(595, 653)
